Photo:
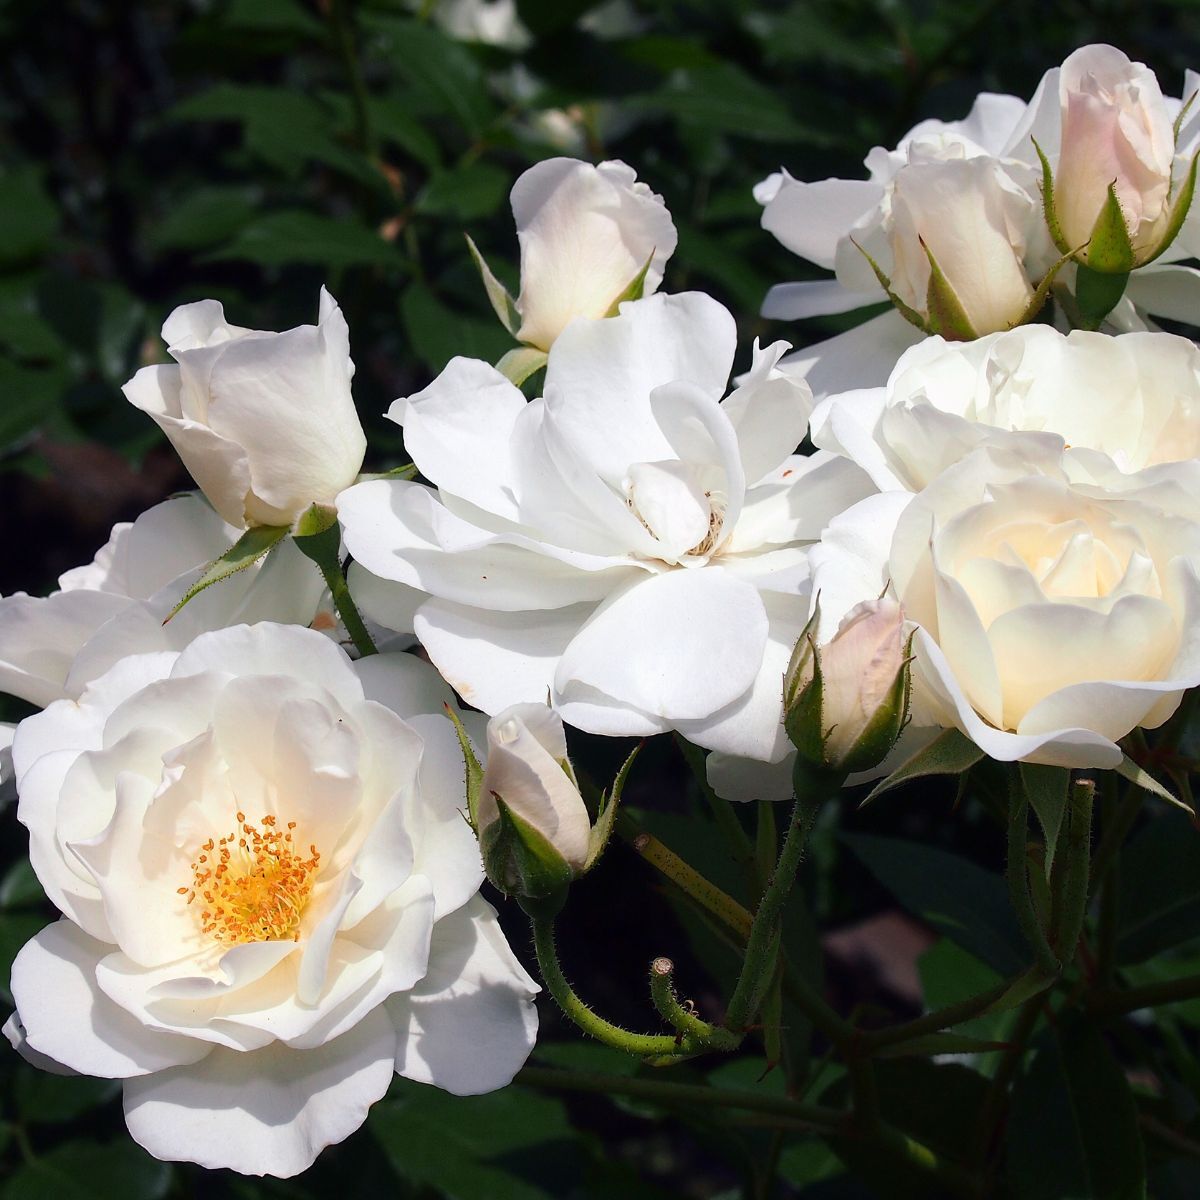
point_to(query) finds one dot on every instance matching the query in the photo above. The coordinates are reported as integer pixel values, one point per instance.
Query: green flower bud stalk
(846, 702)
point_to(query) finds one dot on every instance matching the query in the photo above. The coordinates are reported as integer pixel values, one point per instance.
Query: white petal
(69, 1019)
(264, 1112)
(387, 603)
(459, 429)
(470, 1024)
(811, 218)
(494, 659)
(816, 298)
(862, 357)
(679, 646)
(738, 778)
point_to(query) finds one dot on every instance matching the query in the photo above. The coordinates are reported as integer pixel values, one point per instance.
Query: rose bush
(268, 895)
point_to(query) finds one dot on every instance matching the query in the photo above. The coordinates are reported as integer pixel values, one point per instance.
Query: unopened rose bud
(846, 702)
(1117, 141)
(587, 233)
(533, 825)
(958, 245)
(264, 422)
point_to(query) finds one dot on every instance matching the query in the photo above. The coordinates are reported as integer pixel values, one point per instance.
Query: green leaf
(946, 315)
(603, 826)
(1128, 769)
(1046, 789)
(256, 542)
(43, 1098)
(1109, 250)
(15, 930)
(499, 1146)
(437, 332)
(272, 16)
(440, 69)
(549, 16)
(90, 1171)
(722, 98)
(204, 217)
(21, 888)
(297, 236)
(1159, 904)
(30, 216)
(932, 1044)
(521, 363)
(1073, 1129)
(498, 295)
(957, 898)
(634, 290)
(950, 753)
(948, 975)
(467, 193)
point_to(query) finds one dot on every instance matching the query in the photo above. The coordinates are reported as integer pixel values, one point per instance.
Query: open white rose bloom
(631, 543)
(269, 897)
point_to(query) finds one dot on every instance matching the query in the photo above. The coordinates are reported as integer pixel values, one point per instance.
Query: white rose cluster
(979, 513)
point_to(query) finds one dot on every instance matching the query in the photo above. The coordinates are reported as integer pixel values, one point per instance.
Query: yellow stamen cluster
(253, 883)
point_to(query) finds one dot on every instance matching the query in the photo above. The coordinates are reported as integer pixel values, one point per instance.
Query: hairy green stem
(1018, 876)
(643, 1045)
(759, 962)
(1073, 897)
(335, 580)
(662, 992)
(942, 1018)
(994, 1100)
(1112, 1002)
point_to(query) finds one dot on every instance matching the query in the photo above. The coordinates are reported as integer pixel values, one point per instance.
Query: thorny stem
(1018, 877)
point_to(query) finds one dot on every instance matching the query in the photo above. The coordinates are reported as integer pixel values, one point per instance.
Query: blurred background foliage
(154, 153)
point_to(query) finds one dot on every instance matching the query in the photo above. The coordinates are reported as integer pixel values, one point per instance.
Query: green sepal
(1109, 250)
(1042, 292)
(1179, 211)
(1046, 789)
(635, 289)
(1096, 295)
(474, 769)
(318, 537)
(909, 314)
(804, 649)
(519, 363)
(503, 305)
(407, 471)
(946, 315)
(255, 543)
(1128, 769)
(607, 814)
(950, 753)
(1184, 109)
(519, 860)
(802, 721)
(1048, 209)
(879, 736)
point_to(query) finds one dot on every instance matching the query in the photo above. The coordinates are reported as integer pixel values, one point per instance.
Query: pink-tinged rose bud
(1116, 131)
(533, 825)
(847, 701)
(969, 218)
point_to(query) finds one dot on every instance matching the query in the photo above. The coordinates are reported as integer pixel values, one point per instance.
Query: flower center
(253, 884)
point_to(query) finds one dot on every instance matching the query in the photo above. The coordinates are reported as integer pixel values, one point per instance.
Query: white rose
(264, 421)
(585, 234)
(528, 769)
(52, 646)
(269, 897)
(1135, 398)
(631, 543)
(1116, 131)
(971, 219)
(1053, 616)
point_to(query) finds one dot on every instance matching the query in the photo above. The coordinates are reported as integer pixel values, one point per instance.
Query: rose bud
(846, 702)
(263, 421)
(533, 826)
(1118, 142)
